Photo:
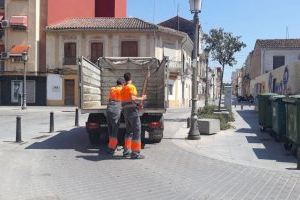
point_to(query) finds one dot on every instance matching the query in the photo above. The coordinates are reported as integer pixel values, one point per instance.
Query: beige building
(266, 58)
(22, 25)
(269, 55)
(112, 37)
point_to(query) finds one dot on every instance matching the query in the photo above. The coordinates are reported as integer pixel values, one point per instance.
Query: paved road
(66, 167)
(35, 121)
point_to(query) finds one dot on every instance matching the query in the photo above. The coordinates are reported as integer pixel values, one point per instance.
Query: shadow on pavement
(245, 130)
(272, 150)
(74, 139)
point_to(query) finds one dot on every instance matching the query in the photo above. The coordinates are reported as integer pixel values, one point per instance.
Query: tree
(222, 46)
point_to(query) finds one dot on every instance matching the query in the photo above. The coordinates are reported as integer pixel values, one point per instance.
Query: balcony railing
(175, 66)
(69, 61)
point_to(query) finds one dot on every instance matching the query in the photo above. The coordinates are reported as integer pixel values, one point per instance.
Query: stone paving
(64, 166)
(244, 144)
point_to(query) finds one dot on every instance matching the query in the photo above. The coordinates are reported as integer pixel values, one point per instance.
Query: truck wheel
(155, 136)
(153, 141)
(103, 136)
(94, 138)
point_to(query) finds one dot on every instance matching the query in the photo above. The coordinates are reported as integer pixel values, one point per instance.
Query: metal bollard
(188, 121)
(18, 130)
(242, 107)
(298, 159)
(51, 122)
(76, 118)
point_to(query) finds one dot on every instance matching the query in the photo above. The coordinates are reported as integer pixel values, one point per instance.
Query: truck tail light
(155, 125)
(92, 125)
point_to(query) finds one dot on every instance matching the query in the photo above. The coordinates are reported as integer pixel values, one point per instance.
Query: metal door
(69, 92)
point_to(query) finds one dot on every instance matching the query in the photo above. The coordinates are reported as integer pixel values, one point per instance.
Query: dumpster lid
(277, 97)
(292, 99)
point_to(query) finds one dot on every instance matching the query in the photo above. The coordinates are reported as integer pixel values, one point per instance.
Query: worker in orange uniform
(114, 109)
(132, 147)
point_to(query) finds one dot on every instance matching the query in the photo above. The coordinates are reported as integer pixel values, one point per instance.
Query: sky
(251, 19)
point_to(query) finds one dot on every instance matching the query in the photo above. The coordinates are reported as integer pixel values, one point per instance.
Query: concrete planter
(208, 126)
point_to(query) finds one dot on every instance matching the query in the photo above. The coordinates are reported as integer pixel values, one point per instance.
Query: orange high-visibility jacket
(115, 93)
(127, 91)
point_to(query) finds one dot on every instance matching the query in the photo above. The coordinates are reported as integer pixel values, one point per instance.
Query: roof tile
(103, 23)
(279, 43)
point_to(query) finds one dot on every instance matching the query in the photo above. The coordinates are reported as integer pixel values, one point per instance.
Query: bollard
(298, 159)
(51, 122)
(188, 121)
(76, 118)
(242, 107)
(18, 130)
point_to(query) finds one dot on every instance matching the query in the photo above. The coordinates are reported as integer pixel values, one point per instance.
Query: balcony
(70, 61)
(175, 66)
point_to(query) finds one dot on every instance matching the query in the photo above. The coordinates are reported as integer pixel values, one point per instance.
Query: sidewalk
(244, 144)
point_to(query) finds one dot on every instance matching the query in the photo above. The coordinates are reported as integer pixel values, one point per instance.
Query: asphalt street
(64, 166)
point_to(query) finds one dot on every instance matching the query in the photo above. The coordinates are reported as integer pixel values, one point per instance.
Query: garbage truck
(96, 79)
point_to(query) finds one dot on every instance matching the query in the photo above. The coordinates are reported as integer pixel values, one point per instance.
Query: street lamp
(206, 54)
(24, 58)
(195, 7)
(213, 77)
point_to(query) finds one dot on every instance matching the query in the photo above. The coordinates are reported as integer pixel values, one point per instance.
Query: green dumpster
(293, 119)
(265, 110)
(278, 117)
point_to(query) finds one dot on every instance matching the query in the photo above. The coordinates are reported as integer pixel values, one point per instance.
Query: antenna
(287, 34)
(178, 8)
(154, 10)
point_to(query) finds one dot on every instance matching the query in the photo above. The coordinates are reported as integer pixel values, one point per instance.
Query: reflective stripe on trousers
(113, 120)
(133, 129)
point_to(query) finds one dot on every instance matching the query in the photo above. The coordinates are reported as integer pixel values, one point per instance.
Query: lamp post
(195, 7)
(24, 58)
(213, 84)
(206, 54)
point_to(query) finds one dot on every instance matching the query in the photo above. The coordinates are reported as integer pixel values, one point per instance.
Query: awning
(18, 21)
(17, 50)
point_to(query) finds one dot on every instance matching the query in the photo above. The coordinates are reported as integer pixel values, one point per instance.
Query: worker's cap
(120, 81)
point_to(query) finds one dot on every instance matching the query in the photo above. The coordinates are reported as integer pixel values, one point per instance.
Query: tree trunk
(221, 87)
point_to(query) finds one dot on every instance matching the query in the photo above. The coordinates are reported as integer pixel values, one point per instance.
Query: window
(96, 51)
(170, 89)
(278, 61)
(17, 91)
(2, 3)
(18, 22)
(129, 49)
(70, 53)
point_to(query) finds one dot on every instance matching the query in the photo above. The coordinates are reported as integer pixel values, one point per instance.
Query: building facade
(22, 34)
(268, 56)
(113, 37)
(188, 27)
(23, 25)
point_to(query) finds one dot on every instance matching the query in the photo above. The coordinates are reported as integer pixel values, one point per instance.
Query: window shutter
(129, 49)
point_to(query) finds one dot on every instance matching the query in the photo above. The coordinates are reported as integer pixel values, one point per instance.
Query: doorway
(69, 92)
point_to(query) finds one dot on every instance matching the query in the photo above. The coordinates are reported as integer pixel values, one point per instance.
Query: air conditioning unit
(4, 55)
(5, 23)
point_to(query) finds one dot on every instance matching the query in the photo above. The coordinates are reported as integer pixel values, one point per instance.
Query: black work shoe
(126, 154)
(137, 156)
